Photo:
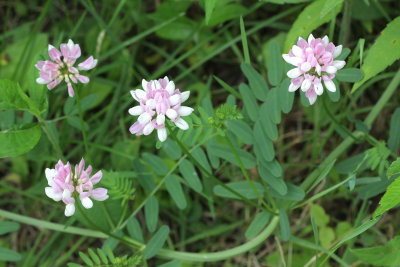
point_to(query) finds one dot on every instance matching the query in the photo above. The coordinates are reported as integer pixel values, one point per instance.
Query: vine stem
(165, 253)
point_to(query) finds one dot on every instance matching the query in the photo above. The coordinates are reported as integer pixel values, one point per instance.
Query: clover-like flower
(159, 100)
(64, 184)
(315, 63)
(61, 67)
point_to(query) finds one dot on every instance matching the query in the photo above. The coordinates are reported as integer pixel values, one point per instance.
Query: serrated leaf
(351, 75)
(256, 81)
(382, 53)
(243, 188)
(17, 142)
(309, 20)
(175, 190)
(394, 168)
(258, 223)
(390, 199)
(156, 242)
(151, 209)
(190, 175)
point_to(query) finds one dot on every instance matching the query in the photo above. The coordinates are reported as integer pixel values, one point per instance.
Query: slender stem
(81, 120)
(246, 175)
(347, 142)
(189, 155)
(165, 253)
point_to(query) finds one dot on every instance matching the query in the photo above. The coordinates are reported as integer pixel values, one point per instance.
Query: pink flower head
(315, 62)
(64, 183)
(158, 100)
(61, 67)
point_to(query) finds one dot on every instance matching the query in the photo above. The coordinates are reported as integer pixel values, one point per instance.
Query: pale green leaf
(244, 188)
(17, 142)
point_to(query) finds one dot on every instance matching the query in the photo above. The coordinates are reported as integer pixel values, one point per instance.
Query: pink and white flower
(61, 67)
(159, 100)
(315, 66)
(64, 184)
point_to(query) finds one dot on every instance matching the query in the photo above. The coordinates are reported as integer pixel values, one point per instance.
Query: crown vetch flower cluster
(159, 100)
(315, 63)
(61, 67)
(64, 183)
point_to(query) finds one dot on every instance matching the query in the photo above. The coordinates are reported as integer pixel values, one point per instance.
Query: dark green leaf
(9, 255)
(394, 132)
(156, 242)
(284, 225)
(8, 227)
(258, 223)
(351, 75)
(134, 229)
(256, 81)
(242, 131)
(151, 213)
(274, 63)
(244, 188)
(250, 103)
(175, 191)
(190, 174)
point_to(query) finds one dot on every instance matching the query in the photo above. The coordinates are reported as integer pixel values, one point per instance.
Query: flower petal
(294, 73)
(136, 111)
(162, 134)
(182, 124)
(330, 85)
(87, 202)
(69, 209)
(185, 111)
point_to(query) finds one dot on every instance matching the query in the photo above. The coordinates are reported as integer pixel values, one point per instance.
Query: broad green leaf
(227, 12)
(156, 242)
(330, 6)
(13, 98)
(156, 163)
(286, 98)
(263, 143)
(134, 229)
(382, 53)
(151, 213)
(201, 157)
(9, 255)
(394, 168)
(8, 227)
(273, 167)
(256, 81)
(326, 236)
(244, 188)
(271, 106)
(250, 103)
(175, 191)
(390, 199)
(351, 75)
(190, 175)
(225, 153)
(294, 193)
(274, 63)
(284, 225)
(258, 223)
(308, 20)
(394, 132)
(17, 142)
(388, 255)
(276, 183)
(286, 1)
(242, 131)
(321, 218)
(209, 8)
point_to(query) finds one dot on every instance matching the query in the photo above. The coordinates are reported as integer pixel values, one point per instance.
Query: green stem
(84, 135)
(189, 155)
(347, 142)
(165, 253)
(246, 175)
(51, 137)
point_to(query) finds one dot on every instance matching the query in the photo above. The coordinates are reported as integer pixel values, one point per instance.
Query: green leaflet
(256, 81)
(13, 98)
(190, 174)
(351, 75)
(134, 229)
(394, 168)
(284, 225)
(382, 53)
(309, 20)
(151, 213)
(156, 242)
(243, 188)
(209, 8)
(175, 190)
(274, 63)
(394, 132)
(250, 102)
(17, 142)
(388, 255)
(242, 131)
(258, 223)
